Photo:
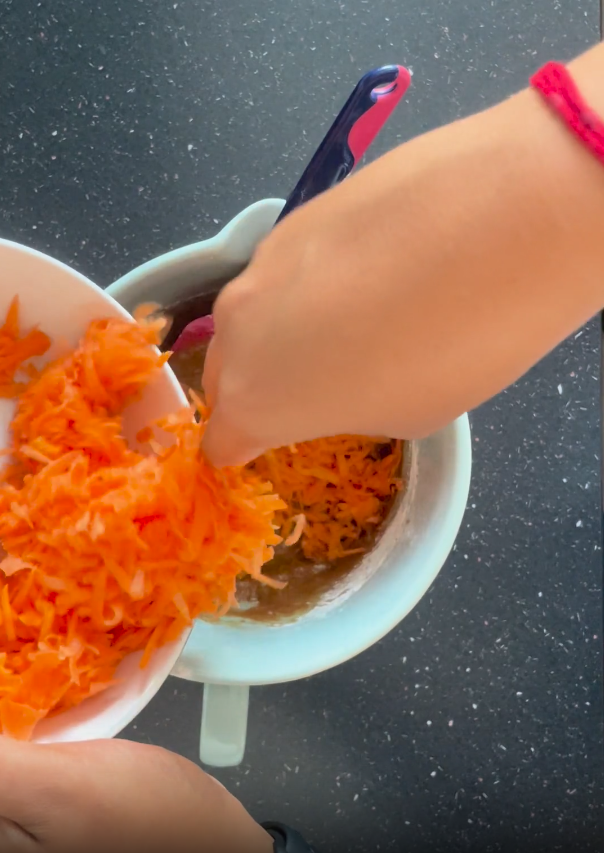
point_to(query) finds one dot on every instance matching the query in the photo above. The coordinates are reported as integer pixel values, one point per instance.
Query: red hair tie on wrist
(555, 84)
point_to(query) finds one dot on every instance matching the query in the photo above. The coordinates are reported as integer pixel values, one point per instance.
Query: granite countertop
(130, 127)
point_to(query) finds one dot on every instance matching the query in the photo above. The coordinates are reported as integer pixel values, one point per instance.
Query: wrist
(504, 210)
(560, 187)
(588, 73)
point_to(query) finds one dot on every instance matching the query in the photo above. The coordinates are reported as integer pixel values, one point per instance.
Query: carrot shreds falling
(342, 488)
(108, 550)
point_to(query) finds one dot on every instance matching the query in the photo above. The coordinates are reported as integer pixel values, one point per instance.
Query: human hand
(422, 286)
(116, 797)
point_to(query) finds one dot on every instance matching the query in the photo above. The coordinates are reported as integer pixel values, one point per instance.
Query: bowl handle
(223, 724)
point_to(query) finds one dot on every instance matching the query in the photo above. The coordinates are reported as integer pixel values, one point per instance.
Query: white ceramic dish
(62, 303)
(232, 654)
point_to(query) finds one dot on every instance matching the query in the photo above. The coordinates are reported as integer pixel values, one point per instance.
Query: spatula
(364, 114)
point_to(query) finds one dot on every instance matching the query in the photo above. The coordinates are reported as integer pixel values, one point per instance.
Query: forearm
(430, 280)
(512, 219)
(568, 185)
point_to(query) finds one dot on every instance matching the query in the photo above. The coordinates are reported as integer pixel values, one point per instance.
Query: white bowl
(232, 654)
(62, 303)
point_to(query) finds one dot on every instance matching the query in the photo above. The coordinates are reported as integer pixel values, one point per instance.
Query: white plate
(62, 303)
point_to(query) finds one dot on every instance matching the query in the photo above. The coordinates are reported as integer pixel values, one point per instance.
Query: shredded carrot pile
(338, 491)
(109, 551)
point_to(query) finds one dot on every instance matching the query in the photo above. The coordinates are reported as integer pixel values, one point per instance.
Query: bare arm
(418, 289)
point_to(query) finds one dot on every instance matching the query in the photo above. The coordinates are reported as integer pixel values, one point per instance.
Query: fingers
(283, 364)
(209, 380)
(224, 443)
(231, 434)
(115, 796)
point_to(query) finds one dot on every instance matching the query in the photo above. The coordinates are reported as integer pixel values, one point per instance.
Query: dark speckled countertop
(129, 127)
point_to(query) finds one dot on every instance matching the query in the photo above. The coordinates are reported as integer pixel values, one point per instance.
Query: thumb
(224, 443)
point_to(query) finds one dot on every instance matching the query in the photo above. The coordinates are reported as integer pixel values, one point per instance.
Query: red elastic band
(559, 91)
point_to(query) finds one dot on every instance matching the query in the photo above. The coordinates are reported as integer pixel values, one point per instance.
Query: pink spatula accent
(197, 332)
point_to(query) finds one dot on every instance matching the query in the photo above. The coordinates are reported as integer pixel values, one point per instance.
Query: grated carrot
(341, 487)
(109, 551)
(295, 535)
(16, 348)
